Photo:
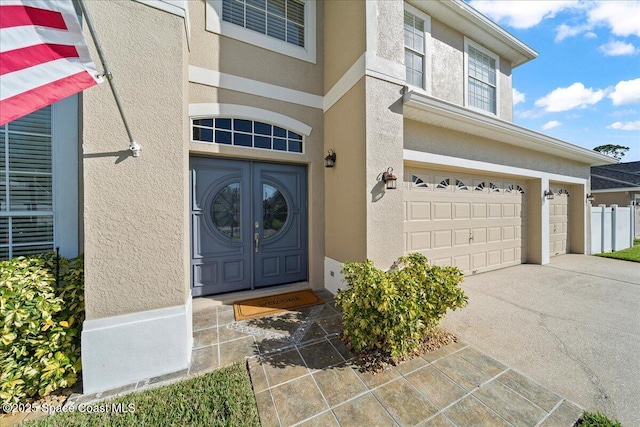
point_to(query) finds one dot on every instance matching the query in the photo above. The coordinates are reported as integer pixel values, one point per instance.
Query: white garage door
(474, 222)
(559, 221)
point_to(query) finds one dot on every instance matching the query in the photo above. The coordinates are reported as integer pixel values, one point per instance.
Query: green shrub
(394, 311)
(40, 325)
(596, 419)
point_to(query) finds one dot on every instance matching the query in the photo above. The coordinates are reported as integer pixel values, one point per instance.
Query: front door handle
(256, 239)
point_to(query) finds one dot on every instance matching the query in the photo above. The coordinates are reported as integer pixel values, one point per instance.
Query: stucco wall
(428, 138)
(447, 63)
(343, 21)
(345, 188)
(537, 221)
(135, 216)
(506, 95)
(620, 198)
(313, 157)
(385, 209)
(212, 51)
(390, 27)
(448, 69)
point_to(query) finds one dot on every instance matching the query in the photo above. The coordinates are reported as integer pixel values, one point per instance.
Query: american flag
(43, 56)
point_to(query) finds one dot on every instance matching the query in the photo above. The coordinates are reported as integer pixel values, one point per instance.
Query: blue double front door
(248, 225)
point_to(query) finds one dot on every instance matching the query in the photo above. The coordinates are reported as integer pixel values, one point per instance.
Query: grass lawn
(220, 398)
(629, 254)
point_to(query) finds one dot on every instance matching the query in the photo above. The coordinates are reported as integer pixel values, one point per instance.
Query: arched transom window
(246, 133)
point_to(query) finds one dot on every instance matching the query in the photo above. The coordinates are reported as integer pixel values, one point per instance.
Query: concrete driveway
(572, 325)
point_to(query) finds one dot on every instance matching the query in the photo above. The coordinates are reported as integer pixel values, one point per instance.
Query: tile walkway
(303, 375)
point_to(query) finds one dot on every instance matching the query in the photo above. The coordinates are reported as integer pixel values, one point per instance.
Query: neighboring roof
(459, 15)
(621, 176)
(427, 109)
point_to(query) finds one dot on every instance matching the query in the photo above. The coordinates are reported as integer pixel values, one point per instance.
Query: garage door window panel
(443, 184)
(419, 182)
(461, 186)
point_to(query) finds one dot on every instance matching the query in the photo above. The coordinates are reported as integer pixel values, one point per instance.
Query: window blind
(280, 19)
(482, 80)
(26, 185)
(414, 49)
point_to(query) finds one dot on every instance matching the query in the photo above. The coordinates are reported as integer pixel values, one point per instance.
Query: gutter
(462, 119)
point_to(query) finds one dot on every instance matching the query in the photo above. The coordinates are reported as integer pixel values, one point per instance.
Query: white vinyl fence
(612, 228)
(636, 208)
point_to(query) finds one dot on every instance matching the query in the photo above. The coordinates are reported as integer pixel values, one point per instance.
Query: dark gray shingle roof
(621, 175)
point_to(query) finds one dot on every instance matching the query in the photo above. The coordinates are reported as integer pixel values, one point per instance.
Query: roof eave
(424, 108)
(616, 190)
(459, 15)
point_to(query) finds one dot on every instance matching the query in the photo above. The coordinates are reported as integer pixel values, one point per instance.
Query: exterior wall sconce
(389, 179)
(590, 197)
(330, 160)
(548, 194)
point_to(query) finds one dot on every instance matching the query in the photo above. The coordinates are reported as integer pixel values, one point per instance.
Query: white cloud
(573, 116)
(528, 114)
(625, 126)
(618, 48)
(626, 92)
(563, 31)
(518, 97)
(550, 125)
(568, 98)
(622, 113)
(620, 16)
(523, 13)
(590, 35)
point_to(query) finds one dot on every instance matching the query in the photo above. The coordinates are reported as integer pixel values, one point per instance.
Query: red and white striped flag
(43, 56)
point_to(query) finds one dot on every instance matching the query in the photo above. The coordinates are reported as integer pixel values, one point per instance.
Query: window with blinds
(26, 196)
(414, 49)
(280, 19)
(482, 87)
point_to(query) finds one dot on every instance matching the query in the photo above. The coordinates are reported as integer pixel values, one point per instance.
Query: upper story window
(280, 19)
(417, 34)
(246, 133)
(283, 26)
(414, 49)
(481, 74)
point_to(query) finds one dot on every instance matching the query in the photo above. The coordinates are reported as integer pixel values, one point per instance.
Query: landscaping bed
(378, 360)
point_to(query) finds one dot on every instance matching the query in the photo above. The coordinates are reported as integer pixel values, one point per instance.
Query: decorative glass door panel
(248, 225)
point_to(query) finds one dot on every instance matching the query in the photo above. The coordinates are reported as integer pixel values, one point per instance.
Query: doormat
(256, 307)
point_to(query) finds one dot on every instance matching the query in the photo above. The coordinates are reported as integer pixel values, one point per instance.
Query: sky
(584, 86)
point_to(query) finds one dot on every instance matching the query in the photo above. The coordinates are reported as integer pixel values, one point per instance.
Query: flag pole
(133, 145)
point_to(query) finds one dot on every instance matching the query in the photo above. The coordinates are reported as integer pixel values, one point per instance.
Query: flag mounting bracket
(133, 145)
